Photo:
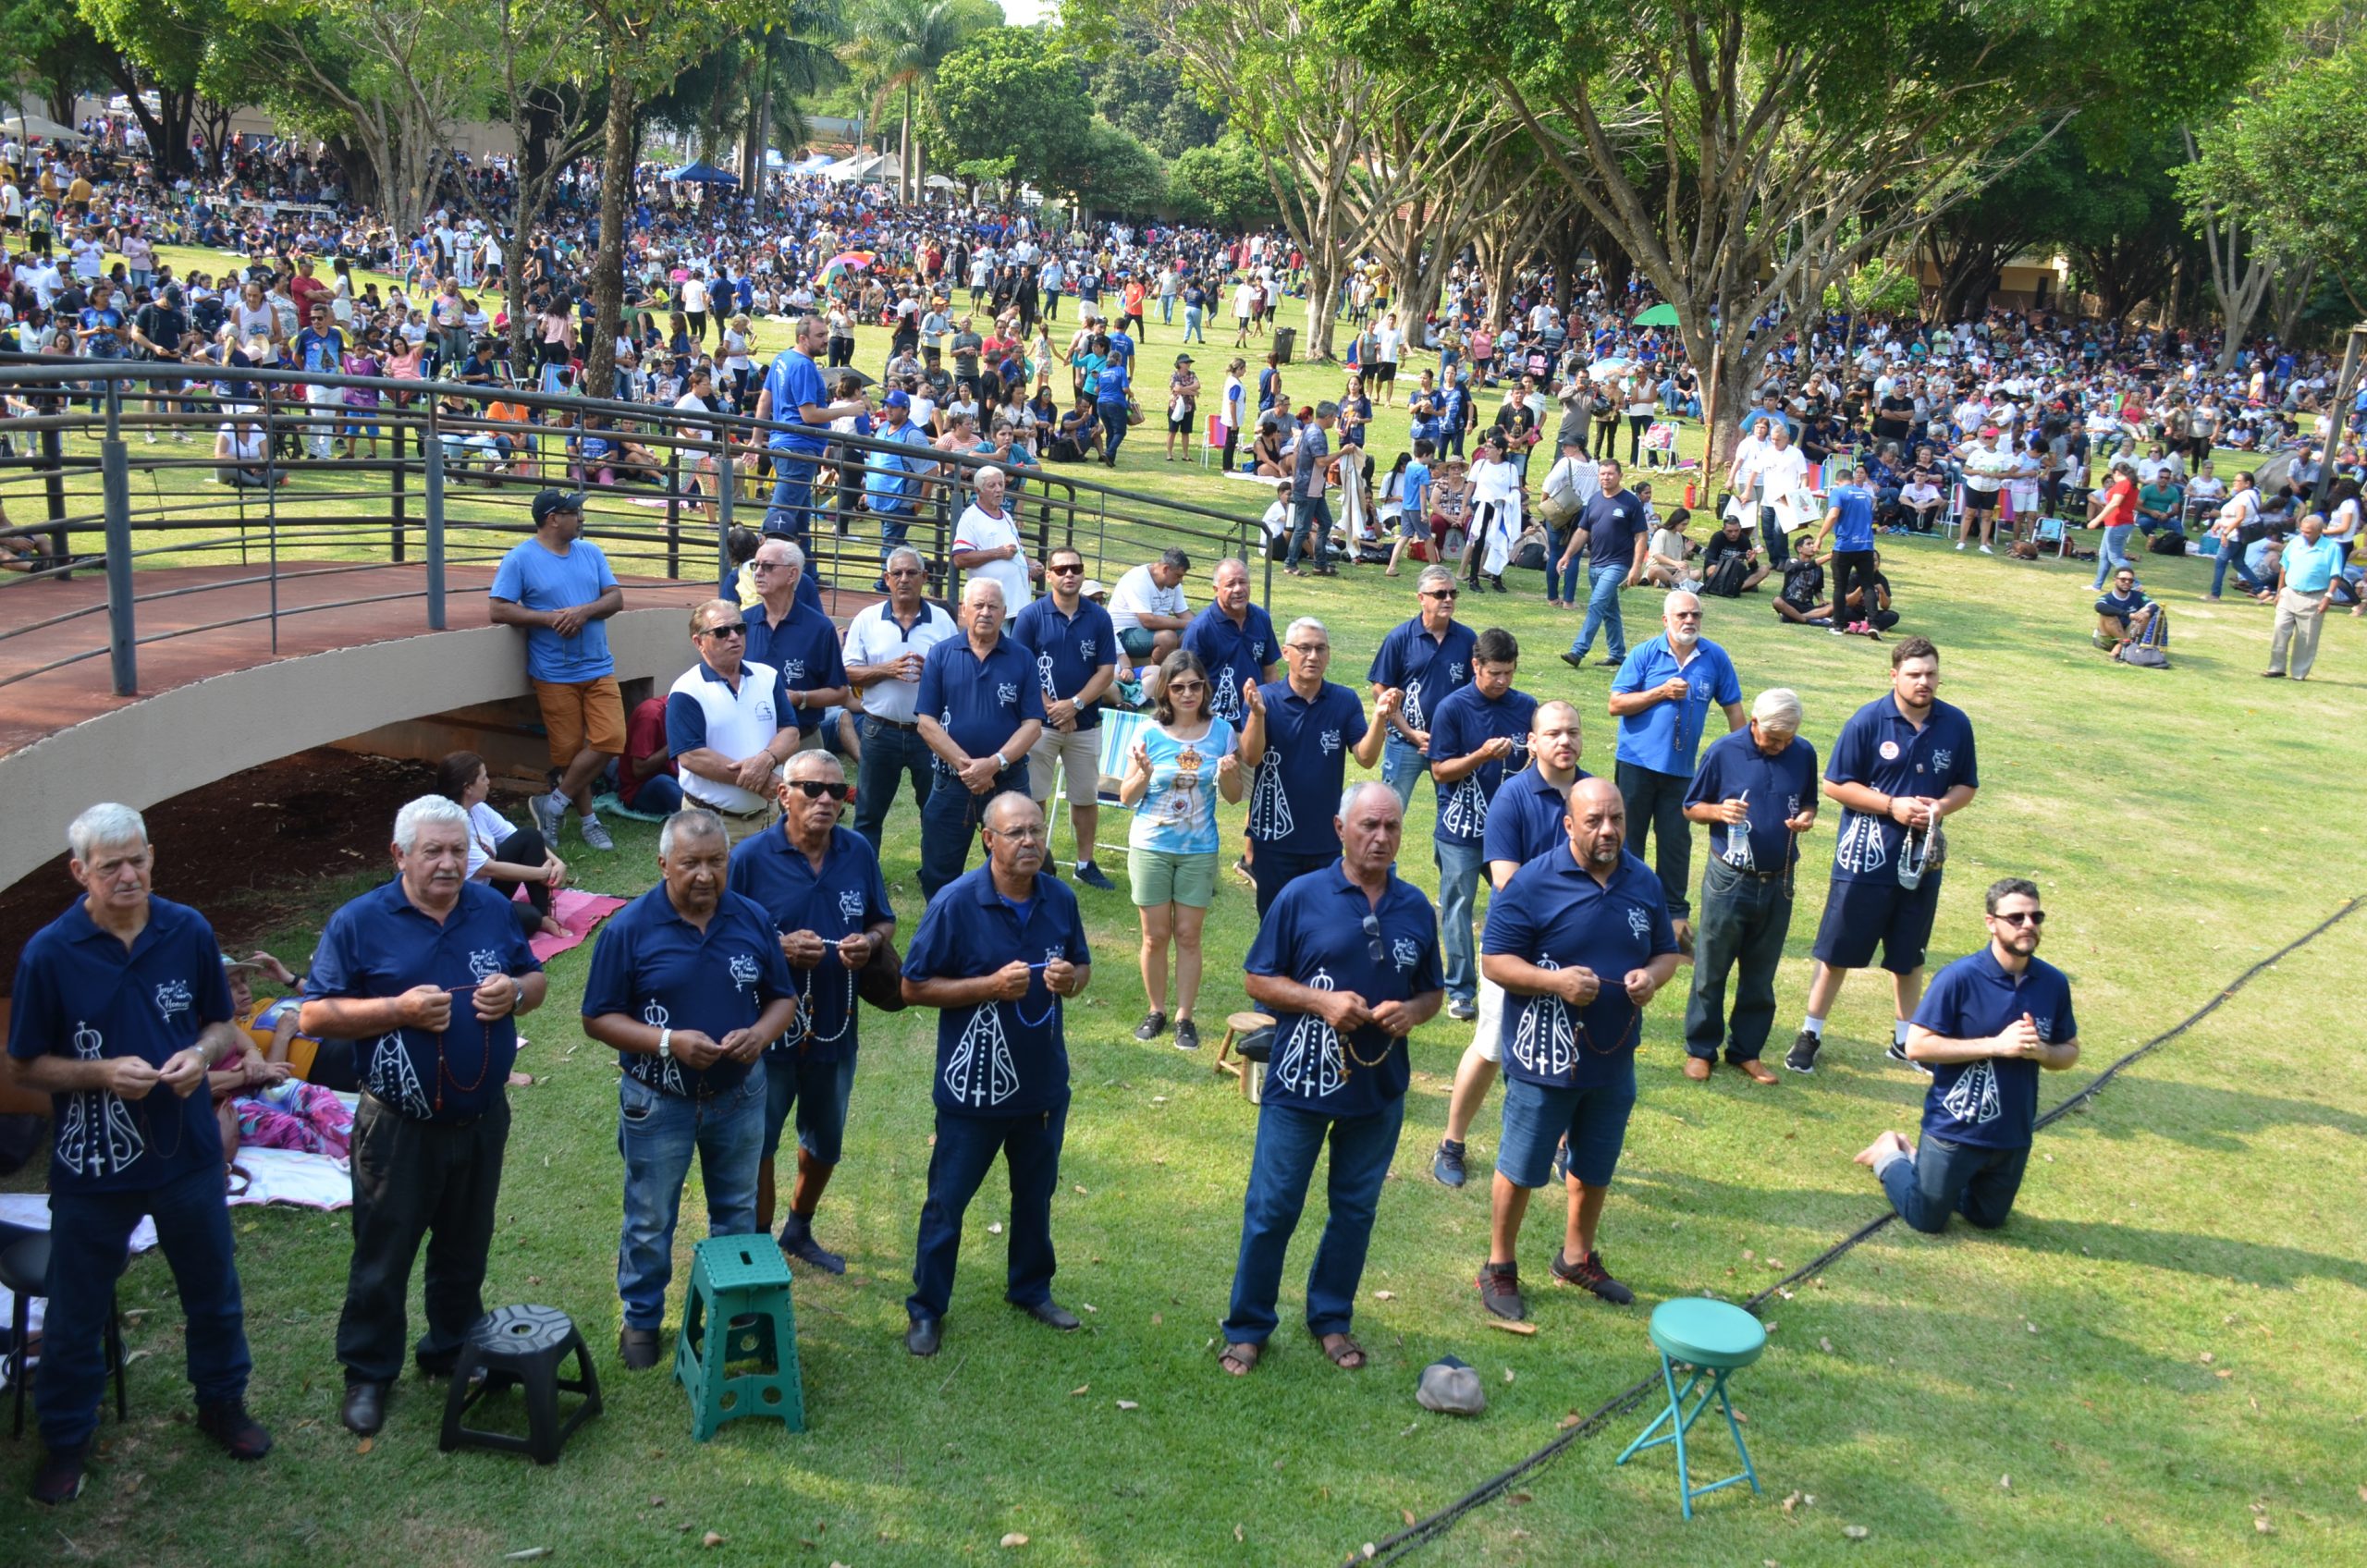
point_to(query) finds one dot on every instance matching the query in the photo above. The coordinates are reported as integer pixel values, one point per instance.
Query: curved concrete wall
(190, 736)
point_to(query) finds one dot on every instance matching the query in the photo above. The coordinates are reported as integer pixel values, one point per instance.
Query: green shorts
(1162, 878)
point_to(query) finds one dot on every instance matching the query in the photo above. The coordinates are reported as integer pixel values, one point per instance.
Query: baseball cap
(550, 501)
(899, 398)
(1450, 1387)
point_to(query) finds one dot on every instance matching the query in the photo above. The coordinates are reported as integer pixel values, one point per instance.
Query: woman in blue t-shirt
(1172, 848)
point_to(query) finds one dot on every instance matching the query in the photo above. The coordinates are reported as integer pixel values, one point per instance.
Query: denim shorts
(1536, 1119)
(819, 1090)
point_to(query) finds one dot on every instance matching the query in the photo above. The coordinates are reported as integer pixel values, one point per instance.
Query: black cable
(1628, 1398)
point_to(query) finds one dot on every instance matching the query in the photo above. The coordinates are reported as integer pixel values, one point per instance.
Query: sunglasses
(737, 628)
(1067, 569)
(1437, 592)
(815, 788)
(1182, 686)
(2034, 917)
(1372, 936)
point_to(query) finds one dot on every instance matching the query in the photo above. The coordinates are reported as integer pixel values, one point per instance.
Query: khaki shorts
(1159, 877)
(580, 714)
(1074, 752)
(736, 828)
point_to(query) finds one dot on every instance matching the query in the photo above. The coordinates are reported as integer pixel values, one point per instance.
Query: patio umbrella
(1603, 370)
(38, 126)
(844, 263)
(1658, 316)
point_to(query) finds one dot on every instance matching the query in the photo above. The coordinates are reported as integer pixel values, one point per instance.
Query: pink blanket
(580, 913)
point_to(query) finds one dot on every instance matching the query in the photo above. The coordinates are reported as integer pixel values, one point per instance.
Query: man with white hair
(1756, 792)
(1661, 698)
(1296, 742)
(119, 1009)
(979, 708)
(986, 543)
(788, 629)
(395, 967)
(1075, 650)
(729, 723)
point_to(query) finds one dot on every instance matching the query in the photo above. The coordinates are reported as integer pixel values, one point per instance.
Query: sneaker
(1590, 1274)
(1500, 1291)
(1463, 1009)
(1898, 1052)
(595, 833)
(1819, 620)
(1959, 545)
(1446, 1165)
(1838, 630)
(226, 1422)
(1152, 1026)
(1092, 876)
(59, 1479)
(548, 812)
(1187, 1035)
(1801, 1057)
(1987, 551)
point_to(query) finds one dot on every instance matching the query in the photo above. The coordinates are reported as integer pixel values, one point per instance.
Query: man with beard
(1479, 738)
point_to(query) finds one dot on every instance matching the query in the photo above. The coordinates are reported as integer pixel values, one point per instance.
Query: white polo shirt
(875, 637)
(703, 710)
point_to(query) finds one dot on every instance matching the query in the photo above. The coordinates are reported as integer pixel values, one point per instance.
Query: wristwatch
(1001, 765)
(666, 1044)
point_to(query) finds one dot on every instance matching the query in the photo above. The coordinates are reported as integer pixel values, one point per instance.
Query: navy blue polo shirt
(844, 897)
(981, 702)
(1666, 737)
(381, 945)
(1880, 748)
(80, 993)
(1459, 726)
(803, 647)
(1614, 523)
(651, 964)
(1296, 793)
(1556, 914)
(1234, 655)
(1314, 934)
(1428, 669)
(999, 1057)
(1527, 817)
(1993, 1102)
(1068, 650)
(1774, 789)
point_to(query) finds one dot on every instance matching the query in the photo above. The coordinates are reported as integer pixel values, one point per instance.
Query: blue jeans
(1192, 333)
(950, 821)
(1602, 611)
(89, 1238)
(965, 1151)
(1561, 583)
(1460, 866)
(1113, 429)
(1310, 516)
(1166, 309)
(655, 1132)
(2232, 555)
(1403, 767)
(1280, 1170)
(890, 754)
(792, 510)
(660, 794)
(2112, 554)
(1945, 1179)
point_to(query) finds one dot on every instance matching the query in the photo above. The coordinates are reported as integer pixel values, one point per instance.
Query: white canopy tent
(27, 125)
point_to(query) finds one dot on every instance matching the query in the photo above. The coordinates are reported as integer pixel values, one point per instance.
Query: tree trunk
(609, 266)
(904, 150)
(760, 132)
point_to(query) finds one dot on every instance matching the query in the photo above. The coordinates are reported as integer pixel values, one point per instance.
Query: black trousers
(1656, 809)
(1849, 566)
(416, 1180)
(524, 847)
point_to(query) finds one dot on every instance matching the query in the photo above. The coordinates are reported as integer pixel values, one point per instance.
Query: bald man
(979, 709)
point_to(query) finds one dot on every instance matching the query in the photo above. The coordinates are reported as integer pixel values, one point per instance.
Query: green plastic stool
(741, 1282)
(1714, 1338)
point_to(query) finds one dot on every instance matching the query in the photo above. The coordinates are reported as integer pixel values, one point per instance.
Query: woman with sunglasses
(1172, 848)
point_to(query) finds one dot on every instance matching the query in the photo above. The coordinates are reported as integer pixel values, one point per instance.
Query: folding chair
(2052, 531)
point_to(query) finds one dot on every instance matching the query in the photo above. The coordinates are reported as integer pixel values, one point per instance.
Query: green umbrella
(1658, 316)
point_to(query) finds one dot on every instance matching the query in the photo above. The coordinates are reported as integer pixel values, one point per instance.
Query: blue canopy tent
(701, 173)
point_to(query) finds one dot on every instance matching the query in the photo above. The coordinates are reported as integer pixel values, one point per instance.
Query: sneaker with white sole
(596, 833)
(548, 812)
(1801, 1057)
(1987, 551)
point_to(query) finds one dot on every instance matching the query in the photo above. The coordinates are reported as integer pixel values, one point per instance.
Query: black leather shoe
(366, 1408)
(639, 1348)
(924, 1334)
(1052, 1314)
(226, 1422)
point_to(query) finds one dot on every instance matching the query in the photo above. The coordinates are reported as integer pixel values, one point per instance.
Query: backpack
(2166, 543)
(1725, 579)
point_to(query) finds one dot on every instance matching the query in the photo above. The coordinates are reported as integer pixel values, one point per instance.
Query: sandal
(1239, 1360)
(1343, 1351)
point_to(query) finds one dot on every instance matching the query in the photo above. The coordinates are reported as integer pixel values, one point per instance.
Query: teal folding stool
(1714, 1338)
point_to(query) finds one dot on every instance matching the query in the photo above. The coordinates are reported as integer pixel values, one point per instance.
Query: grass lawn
(2157, 1361)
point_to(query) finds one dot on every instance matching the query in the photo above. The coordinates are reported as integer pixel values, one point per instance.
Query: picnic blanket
(580, 913)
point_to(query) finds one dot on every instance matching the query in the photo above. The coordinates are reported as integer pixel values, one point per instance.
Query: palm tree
(900, 43)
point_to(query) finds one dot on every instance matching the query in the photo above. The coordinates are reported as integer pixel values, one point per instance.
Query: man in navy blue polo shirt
(794, 395)
(1347, 961)
(1479, 737)
(1756, 789)
(1579, 939)
(821, 884)
(996, 955)
(1614, 536)
(1526, 819)
(1902, 762)
(1661, 698)
(1234, 640)
(1428, 659)
(432, 969)
(689, 985)
(118, 1009)
(1075, 652)
(1300, 734)
(980, 707)
(1991, 1022)
(788, 630)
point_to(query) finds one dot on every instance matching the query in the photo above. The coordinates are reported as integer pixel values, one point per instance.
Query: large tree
(163, 47)
(49, 48)
(1011, 92)
(897, 48)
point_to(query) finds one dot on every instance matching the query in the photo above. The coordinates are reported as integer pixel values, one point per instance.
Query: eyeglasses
(1019, 835)
(1304, 648)
(1372, 936)
(760, 564)
(2033, 917)
(736, 629)
(815, 788)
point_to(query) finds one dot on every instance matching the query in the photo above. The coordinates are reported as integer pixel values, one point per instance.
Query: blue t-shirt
(1177, 816)
(795, 381)
(1774, 789)
(1428, 669)
(1234, 655)
(652, 965)
(531, 575)
(1413, 490)
(1855, 530)
(803, 647)
(80, 993)
(1316, 933)
(889, 485)
(381, 945)
(2121, 605)
(844, 897)
(1068, 650)
(1527, 817)
(320, 354)
(999, 1057)
(1666, 737)
(1463, 724)
(1111, 387)
(1880, 748)
(981, 702)
(1993, 1102)
(1554, 914)
(1295, 794)
(1614, 523)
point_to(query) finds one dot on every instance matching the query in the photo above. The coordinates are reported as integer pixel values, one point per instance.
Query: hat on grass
(1450, 1387)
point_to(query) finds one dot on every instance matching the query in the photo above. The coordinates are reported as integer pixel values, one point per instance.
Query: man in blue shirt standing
(396, 967)
(1849, 519)
(119, 1009)
(1075, 651)
(997, 956)
(558, 587)
(1661, 698)
(1579, 939)
(1234, 640)
(1615, 536)
(1427, 659)
(1480, 739)
(688, 985)
(1347, 961)
(2312, 563)
(1296, 744)
(980, 707)
(1756, 792)
(794, 395)
(1902, 762)
(1990, 1025)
